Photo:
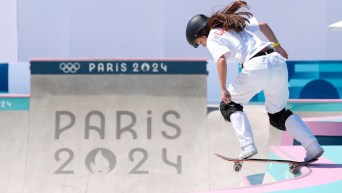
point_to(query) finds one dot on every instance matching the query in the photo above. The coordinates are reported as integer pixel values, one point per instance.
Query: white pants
(268, 73)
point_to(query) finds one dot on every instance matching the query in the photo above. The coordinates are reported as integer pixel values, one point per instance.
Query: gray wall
(156, 28)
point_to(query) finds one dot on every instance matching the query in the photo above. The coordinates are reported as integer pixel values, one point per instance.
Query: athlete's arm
(267, 31)
(222, 73)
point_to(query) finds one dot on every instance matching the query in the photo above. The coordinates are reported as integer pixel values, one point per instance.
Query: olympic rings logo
(69, 67)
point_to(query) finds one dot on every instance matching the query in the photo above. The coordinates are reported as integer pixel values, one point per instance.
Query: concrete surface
(13, 149)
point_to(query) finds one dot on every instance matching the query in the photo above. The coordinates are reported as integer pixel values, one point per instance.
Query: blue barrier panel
(313, 80)
(3, 78)
(119, 67)
(9, 103)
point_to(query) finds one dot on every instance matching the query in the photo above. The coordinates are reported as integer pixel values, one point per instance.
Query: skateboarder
(230, 34)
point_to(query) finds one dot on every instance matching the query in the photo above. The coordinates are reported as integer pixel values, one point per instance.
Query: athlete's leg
(297, 128)
(233, 113)
(276, 95)
(285, 120)
(248, 83)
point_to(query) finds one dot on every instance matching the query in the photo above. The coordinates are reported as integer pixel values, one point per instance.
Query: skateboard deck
(294, 166)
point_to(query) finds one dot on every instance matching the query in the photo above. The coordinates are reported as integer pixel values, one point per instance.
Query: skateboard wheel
(294, 169)
(237, 167)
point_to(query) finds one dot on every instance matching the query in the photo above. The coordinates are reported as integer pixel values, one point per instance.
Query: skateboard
(294, 166)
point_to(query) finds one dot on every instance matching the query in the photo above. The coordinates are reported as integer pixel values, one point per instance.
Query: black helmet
(195, 24)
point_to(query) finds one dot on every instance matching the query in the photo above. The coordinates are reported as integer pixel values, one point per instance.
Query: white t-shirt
(236, 46)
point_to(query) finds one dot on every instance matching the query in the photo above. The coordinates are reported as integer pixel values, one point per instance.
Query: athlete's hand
(226, 97)
(281, 51)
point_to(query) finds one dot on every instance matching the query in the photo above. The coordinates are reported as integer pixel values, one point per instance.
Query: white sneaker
(248, 151)
(313, 151)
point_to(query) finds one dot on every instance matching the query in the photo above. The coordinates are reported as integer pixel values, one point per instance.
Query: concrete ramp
(13, 141)
(117, 126)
